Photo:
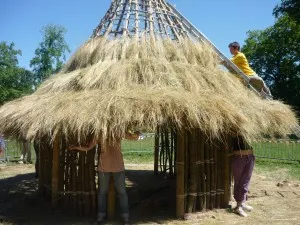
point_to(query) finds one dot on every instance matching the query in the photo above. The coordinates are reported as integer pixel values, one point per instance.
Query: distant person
(240, 60)
(2, 146)
(242, 167)
(36, 147)
(110, 163)
(26, 151)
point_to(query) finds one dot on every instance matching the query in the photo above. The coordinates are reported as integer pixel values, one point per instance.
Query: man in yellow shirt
(240, 60)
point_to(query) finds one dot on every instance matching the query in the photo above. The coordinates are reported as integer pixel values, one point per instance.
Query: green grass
(282, 150)
(278, 169)
(140, 151)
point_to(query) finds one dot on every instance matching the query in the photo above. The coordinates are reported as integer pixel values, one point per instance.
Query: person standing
(26, 151)
(2, 146)
(110, 164)
(242, 163)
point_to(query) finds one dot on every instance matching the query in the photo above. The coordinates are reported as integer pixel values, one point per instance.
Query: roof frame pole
(160, 19)
(136, 19)
(145, 10)
(125, 29)
(203, 38)
(104, 19)
(123, 3)
(169, 21)
(177, 20)
(150, 16)
(111, 21)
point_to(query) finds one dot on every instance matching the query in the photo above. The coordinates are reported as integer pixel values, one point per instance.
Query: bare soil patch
(152, 200)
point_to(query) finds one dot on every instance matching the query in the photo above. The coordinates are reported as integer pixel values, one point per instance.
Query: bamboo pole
(125, 31)
(80, 180)
(201, 183)
(180, 184)
(136, 19)
(218, 173)
(55, 172)
(73, 176)
(41, 168)
(111, 201)
(156, 151)
(67, 182)
(207, 174)
(222, 172)
(172, 154)
(62, 158)
(213, 175)
(168, 149)
(227, 169)
(162, 150)
(192, 192)
(92, 178)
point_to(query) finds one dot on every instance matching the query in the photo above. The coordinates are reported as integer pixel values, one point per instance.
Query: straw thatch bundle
(110, 85)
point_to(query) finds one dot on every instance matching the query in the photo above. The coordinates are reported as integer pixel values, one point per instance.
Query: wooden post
(111, 200)
(212, 176)
(192, 150)
(55, 171)
(180, 185)
(207, 174)
(227, 169)
(156, 151)
(201, 172)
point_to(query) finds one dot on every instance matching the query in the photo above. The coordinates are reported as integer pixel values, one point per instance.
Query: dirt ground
(152, 200)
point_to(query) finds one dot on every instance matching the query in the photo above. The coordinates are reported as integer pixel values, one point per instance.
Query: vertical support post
(227, 169)
(111, 200)
(180, 184)
(156, 151)
(55, 171)
(193, 178)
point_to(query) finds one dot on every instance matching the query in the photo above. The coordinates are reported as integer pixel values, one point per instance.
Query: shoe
(247, 208)
(239, 210)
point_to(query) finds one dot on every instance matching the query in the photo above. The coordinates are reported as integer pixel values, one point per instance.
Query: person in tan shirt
(110, 163)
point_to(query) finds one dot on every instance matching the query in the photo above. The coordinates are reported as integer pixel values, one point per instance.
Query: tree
(274, 53)
(289, 7)
(51, 53)
(14, 81)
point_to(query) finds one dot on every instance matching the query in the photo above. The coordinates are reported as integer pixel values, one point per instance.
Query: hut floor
(152, 200)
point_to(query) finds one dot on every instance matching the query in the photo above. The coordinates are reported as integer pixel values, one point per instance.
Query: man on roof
(240, 60)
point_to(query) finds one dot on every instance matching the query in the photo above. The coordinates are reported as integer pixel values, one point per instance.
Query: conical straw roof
(111, 84)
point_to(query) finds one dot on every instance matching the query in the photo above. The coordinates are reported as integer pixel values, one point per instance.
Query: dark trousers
(242, 168)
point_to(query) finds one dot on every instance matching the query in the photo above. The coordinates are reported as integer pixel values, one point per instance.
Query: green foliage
(289, 7)
(51, 53)
(14, 81)
(274, 53)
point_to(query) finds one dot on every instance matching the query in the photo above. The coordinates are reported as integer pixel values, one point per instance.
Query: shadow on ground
(151, 199)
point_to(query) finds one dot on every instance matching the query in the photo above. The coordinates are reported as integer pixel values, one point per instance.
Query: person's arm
(132, 136)
(88, 147)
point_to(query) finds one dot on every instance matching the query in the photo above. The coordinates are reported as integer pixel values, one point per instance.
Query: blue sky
(222, 21)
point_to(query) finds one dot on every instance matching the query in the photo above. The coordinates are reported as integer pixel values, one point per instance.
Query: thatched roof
(110, 85)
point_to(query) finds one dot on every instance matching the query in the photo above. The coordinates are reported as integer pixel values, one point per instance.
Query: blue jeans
(103, 184)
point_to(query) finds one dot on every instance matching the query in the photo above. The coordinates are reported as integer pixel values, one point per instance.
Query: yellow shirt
(241, 62)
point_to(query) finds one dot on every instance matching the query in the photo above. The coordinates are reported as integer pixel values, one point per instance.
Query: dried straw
(109, 85)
